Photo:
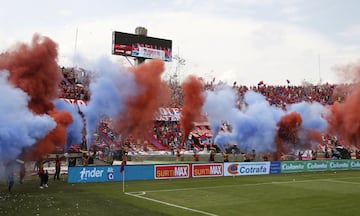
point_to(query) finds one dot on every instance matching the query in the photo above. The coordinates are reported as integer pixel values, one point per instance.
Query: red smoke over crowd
(288, 130)
(34, 69)
(193, 89)
(152, 93)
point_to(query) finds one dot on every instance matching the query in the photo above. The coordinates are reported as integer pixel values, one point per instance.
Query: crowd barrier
(84, 174)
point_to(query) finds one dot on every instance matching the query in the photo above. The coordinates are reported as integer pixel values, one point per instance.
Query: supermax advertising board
(207, 170)
(183, 170)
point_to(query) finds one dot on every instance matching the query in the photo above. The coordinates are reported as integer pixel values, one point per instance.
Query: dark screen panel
(141, 46)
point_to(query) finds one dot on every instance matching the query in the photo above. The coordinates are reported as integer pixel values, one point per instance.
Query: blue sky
(233, 40)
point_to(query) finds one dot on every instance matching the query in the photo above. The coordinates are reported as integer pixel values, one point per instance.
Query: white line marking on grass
(233, 185)
(344, 182)
(140, 195)
(242, 185)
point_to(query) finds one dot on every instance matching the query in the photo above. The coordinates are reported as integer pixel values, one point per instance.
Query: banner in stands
(171, 171)
(75, 102)
(163, 113)
(246, 168)
(207, 170)
(168, 114)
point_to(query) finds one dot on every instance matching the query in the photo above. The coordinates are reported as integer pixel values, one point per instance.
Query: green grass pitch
(302, 194)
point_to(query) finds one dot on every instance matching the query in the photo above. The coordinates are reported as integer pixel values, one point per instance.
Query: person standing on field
(22, 173)
(43, 175)
(57, 168)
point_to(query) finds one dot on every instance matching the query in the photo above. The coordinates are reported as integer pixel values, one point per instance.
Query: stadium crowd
(75, 85)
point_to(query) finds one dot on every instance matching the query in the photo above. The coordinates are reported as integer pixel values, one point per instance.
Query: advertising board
(246, 168)
(207, 170)
(172, 171)
(85, 174)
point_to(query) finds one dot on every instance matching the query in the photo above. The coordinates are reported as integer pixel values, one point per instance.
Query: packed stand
(75, 85)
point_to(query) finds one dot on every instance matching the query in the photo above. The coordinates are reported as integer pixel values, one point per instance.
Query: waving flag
(122, 168)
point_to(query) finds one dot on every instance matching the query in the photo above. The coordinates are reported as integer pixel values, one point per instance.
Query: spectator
(313, 154)
(265, 157)
(246, 158)
(357, 154)
(253, 155)
(85, 159)
(36, 166)
(57, 168)
(22, 173)
(43, 175)
(196, 156)
(178, 154)
(226, 157)
(10, 178)
(212, 155)
(299, 155)
(327, 155)
(124, 158)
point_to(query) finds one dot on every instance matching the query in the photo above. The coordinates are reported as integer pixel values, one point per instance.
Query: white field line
(225, 186)
(239, 185)
(140, 195)
(344, 182)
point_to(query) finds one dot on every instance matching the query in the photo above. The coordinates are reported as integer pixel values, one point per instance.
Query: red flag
(122, 168)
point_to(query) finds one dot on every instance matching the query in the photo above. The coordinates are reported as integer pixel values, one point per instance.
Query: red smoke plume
(34, 69)
(287, 135)
(344, 120)
(153, 92)
(194, 99)
(55, 138)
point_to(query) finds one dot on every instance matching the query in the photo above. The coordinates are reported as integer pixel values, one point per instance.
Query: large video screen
(126, 44)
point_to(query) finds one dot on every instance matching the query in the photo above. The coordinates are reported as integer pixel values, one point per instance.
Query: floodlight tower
(179, 63)
(140, 31)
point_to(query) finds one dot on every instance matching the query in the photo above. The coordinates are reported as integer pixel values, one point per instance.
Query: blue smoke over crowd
(110, 89)
(254, 125)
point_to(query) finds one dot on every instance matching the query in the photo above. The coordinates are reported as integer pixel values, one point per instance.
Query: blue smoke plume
(219, 107)
(74, 130)
(19, 127)
(312, 115)
(254, 125)
(109, 91)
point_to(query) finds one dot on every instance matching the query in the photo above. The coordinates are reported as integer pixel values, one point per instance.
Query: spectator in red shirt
(57, 168)
(357, 154)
